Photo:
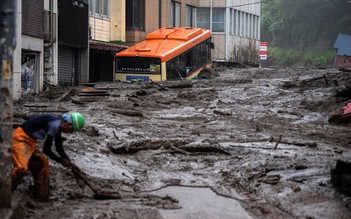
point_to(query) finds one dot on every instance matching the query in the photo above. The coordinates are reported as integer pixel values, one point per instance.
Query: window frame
(220, 21)
(190, 16)
(175, 14)
(100, 8)
(135, 7)
(203, 17)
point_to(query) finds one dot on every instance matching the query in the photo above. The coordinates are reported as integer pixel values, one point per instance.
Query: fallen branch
(278, 141)
(114, 134)
(317, 78)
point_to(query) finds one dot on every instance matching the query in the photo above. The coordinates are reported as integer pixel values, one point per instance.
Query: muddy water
(259, 137)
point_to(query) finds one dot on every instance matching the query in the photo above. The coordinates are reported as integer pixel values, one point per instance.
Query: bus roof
(166, 43)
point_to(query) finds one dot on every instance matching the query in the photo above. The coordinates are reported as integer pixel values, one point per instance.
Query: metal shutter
(65, 65)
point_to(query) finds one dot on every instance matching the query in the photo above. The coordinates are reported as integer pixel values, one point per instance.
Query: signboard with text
(263, 50)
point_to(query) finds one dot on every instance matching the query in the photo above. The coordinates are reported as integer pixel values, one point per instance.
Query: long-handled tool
(99, 194)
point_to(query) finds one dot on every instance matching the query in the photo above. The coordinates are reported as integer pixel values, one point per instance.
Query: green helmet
(77, 121)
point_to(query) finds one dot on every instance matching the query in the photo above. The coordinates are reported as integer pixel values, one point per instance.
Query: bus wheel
(206, 74)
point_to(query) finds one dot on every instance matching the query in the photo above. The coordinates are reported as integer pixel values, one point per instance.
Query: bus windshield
(138, 65)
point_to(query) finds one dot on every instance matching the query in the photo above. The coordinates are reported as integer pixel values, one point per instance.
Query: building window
(190, 16)
(235, 22)
(175, 14)
(100, 7)
(247, 23)
(243, 22)
(239, 23)
(203, 18)
(218, 20)
(135, 14)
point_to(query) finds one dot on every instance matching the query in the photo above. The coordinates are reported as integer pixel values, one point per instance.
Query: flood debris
(244, 134)
(127, 112)
(176, 146)
(98, 192)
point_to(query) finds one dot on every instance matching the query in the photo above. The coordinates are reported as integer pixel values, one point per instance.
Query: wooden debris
(127, 112)
(309, 144)
(114, 134)
(180, 150)
(35, 105)
(222, 113)
(317, 78)
(50, 110)
(174, 145)
(278, 141)
(89, 99)
(66, 95)
(180, 85)
(76, 101)
(88, 84)
(92, 92)
(159, 85)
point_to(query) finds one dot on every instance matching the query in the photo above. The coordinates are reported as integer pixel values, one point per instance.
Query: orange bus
(166, 54)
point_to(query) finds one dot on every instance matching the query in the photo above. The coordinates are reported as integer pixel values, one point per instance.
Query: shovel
(98, 193)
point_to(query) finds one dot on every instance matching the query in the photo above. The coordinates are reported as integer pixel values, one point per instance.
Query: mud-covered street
(259, 137)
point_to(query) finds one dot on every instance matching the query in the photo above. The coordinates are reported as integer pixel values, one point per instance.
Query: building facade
(107, 37)
(51, 45)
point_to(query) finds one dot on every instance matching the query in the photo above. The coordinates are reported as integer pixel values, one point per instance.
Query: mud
(258, 136)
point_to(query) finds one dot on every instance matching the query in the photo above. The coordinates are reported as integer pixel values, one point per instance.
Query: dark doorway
(101, 66)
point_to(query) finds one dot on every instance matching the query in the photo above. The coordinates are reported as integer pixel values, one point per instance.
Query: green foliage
(294, 58)
(319, 59)
(302, 25)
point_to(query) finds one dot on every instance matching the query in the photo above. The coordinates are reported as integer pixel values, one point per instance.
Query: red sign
(263, 50)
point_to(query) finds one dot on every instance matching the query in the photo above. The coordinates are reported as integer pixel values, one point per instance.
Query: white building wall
(239, 43)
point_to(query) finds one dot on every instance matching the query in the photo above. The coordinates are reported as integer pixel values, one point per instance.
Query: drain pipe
(211, 5)
(160, 13)
(227, 29)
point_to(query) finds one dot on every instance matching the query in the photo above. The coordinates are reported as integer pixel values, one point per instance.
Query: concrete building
(73, 42)
(52, 45)
(235, 25)
(28, 59)
(107, 36)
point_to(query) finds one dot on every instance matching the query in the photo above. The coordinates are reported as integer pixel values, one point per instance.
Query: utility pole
(7, 46)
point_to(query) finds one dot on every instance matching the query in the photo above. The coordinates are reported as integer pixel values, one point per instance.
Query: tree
(304, 25)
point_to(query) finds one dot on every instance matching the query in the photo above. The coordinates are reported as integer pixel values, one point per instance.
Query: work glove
(66, 162)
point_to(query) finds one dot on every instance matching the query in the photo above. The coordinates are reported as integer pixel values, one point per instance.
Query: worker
(26, 156)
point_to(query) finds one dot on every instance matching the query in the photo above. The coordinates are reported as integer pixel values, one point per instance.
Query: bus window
(138, 65)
